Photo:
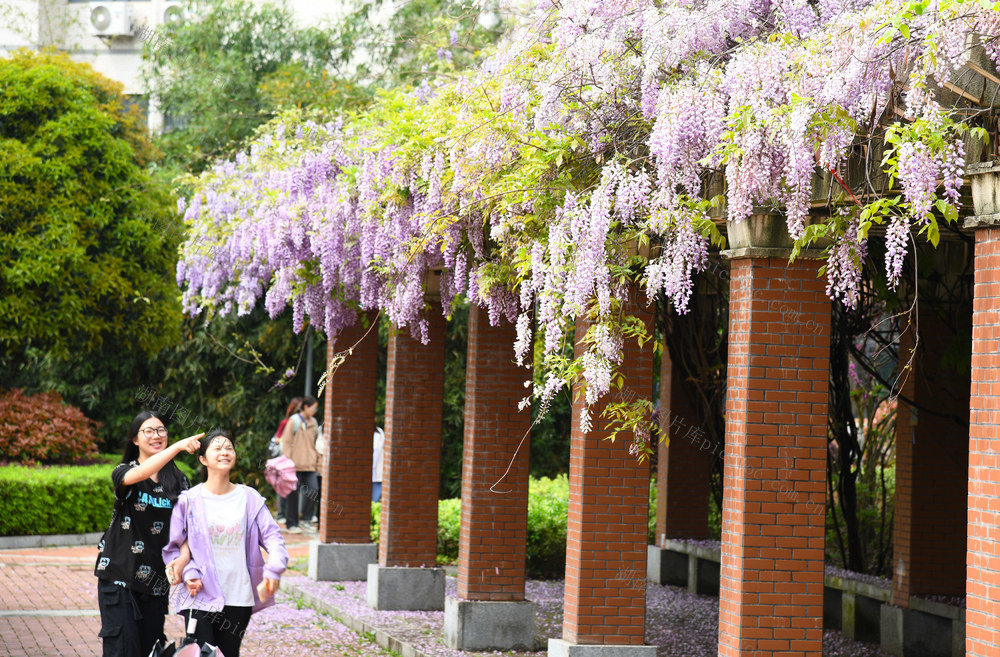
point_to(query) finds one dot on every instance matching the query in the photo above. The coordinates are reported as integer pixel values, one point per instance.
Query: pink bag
(280, 473)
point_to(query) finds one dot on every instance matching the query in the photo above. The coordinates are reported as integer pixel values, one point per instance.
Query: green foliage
(548, 509)
(103, 383)
(43, 428)
(294, 86)
(453, 406)
(874, 483)
(449, 526)
(548, 502)
(876, 502)
(651, 521)
(89, 240)
(414, 41)
(227, 72)
(550, 437)
(226, 374)
(55, 500)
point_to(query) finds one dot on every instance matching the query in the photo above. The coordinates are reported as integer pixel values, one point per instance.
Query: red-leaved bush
(43, 428)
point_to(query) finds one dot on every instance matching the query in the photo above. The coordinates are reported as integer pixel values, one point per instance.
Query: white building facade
(109, 34)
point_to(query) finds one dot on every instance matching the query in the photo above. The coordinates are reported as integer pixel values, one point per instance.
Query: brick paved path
(48, 608)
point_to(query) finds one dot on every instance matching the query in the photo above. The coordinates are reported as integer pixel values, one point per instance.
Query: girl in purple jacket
(225, 525)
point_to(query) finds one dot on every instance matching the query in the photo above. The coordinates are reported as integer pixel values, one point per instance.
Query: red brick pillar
(771, 593)
(605, 595)
(932, 469)
(489, 612)
(348, 423)
(684, 468)
(982, 629)
(406, 577)
(685, 464)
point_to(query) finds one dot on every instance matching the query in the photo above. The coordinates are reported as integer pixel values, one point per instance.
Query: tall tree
(206, 75)
(89, 240)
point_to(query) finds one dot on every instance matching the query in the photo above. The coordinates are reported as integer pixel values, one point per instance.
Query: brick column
(932, 469)
(406, 576)
(346, 549)
(490, 612)
(682, 482)
(605, 595)
(685, 464)
(932, 466)
(771, 593)
(982, 629)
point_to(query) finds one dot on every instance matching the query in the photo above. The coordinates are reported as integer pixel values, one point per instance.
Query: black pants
(308, 490)
(131, 622)
(223, 629)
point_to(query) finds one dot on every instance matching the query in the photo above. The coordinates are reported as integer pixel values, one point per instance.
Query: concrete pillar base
(405, 589)
(907, 632)
(489, 625)
(341, 562)
(563, 648)
(666, 566)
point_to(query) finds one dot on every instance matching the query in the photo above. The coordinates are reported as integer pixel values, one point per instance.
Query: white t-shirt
(226, 516)
(378, 444)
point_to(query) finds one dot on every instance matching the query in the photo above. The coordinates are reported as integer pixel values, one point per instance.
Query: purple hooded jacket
(187, 523)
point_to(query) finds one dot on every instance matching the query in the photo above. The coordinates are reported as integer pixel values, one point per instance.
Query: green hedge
(548, 509)
(62, 499)
(55, 500)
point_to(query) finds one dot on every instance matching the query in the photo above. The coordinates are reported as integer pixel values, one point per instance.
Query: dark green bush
(55, 500)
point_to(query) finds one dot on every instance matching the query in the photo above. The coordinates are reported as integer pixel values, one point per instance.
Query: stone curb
(51, 540)
(381, 637)
(47, 613)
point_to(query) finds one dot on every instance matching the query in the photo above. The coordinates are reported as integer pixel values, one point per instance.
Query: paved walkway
(48, 608)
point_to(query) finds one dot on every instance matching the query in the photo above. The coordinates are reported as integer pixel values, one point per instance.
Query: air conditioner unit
(176, 12)
(110, 18)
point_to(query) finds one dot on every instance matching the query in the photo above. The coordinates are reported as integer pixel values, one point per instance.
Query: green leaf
(933, 233)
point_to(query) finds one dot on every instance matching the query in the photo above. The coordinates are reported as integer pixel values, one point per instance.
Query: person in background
(131, 587)
(298, 442)
(324, 458)
(378, 443)
(294, 407)
(225, 525)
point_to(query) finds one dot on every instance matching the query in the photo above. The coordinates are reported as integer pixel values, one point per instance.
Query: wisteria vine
(571, 169)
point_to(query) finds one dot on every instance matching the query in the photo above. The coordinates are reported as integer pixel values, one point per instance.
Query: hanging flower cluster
(536, 183)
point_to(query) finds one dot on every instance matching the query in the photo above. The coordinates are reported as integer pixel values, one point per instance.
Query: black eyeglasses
(149, 432)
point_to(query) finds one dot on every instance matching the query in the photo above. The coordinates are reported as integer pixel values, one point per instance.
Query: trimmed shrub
(42, 428)
(55, 500)
(548, 510)
(449, 525)
(63, 499)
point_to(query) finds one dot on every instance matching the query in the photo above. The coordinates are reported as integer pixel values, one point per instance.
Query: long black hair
(171, 478)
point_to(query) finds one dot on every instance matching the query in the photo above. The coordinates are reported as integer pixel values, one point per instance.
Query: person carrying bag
(299, 444)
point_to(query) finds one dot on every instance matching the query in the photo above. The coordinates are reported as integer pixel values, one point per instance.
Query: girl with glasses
(132, 588)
